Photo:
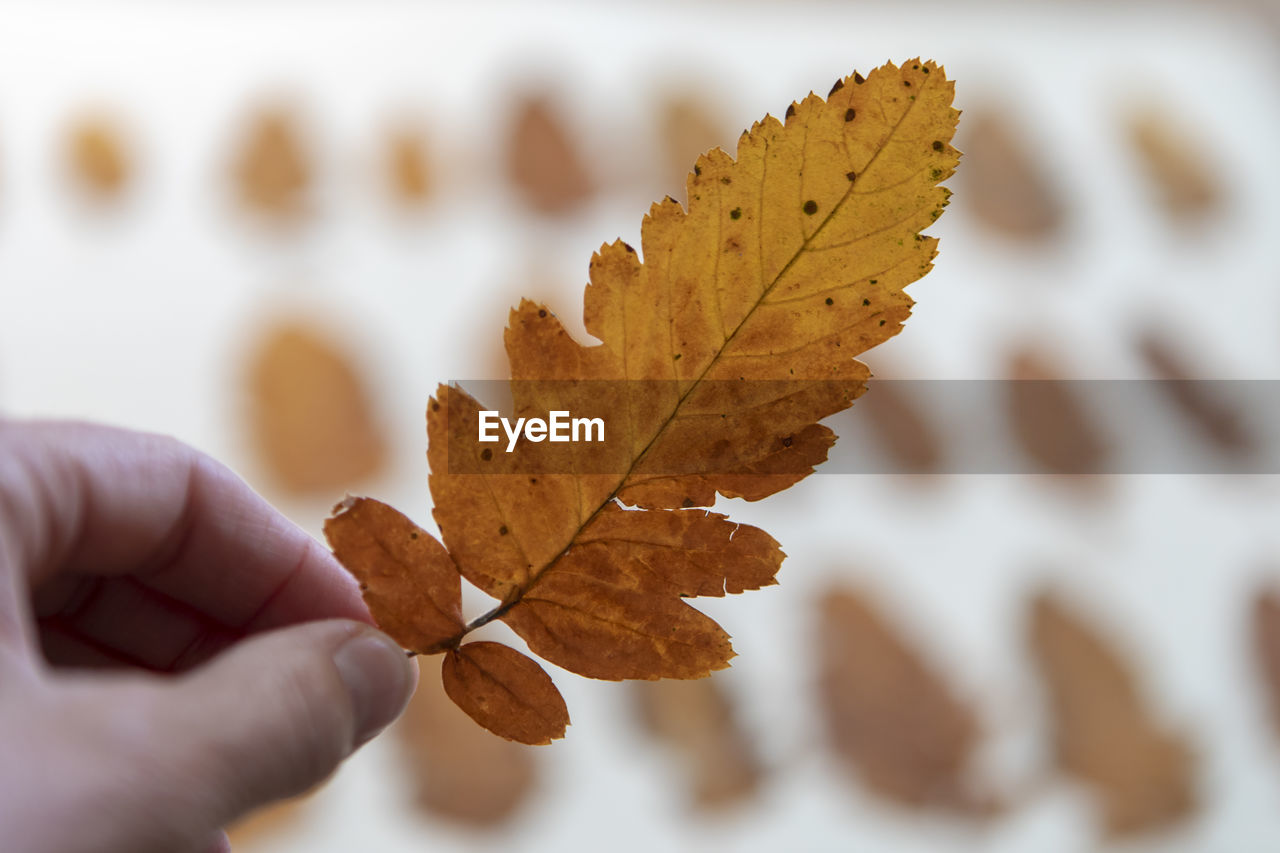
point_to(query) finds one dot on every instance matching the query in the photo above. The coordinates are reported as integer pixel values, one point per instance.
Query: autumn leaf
(890, 718)
(505, 691)
(1104, 734)
(310, 414)
(723, 343)
(697, 721)
(894, 415)
(1214, 419)
(1173, 162)
(543, 160)
(407, 166)
(98, 157)
(272, 169)
(1051, 422)
(1266, 637)
(406, 576)
(1005, 186)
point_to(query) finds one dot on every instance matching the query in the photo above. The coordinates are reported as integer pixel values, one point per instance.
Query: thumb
(276, 713)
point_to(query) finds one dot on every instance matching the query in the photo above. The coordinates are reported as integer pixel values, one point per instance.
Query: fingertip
(219, 844)
(319, 587)
(379, 678)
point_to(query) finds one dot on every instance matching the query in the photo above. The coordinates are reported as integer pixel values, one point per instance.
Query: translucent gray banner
(1072, 427)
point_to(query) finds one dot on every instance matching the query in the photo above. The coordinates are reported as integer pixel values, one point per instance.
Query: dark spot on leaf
(873, 281)
(937, 145)
(697, 170)
(686, 503)
(533, 479)
(786, 442)
(736, 213)
(726, 180)
(935, 174)
(791, 110)
(850, 114)
(882, 322)
(858, 78)
(486, 454)
(502, 531)
(851, 175)
(836, 87)
(866, 302)
(830, 301)
(413, 534)
(363, 587)
(435, 407)
(627, 246)
(915, 67)
(811, 207)
(906, 83)
(542, 312)
(676, 357)
(925, 69)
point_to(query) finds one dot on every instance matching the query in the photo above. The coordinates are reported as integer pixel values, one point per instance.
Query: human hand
(157, 679)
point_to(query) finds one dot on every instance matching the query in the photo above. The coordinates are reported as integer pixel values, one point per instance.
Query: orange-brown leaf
(407, 166)
(1103, 732)
(311, 416)
(890, 717)
(1052, 423)
(1174, 164)
(1168, 358)
(1004, 183)
(408, 579)
(98, 157)
(272, 169)
(894, 415)
(506, 692)
(696, 719)
(722, 344)
(543, 160)
(1266, 637)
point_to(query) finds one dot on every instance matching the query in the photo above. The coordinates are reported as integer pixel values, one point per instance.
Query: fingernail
(379, 677)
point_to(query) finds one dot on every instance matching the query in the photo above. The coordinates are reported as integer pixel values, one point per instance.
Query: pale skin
(173, 651)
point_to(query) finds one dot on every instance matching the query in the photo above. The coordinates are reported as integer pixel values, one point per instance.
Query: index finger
(96, 501)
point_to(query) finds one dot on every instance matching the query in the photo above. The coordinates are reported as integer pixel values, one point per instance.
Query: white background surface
(139, 318)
